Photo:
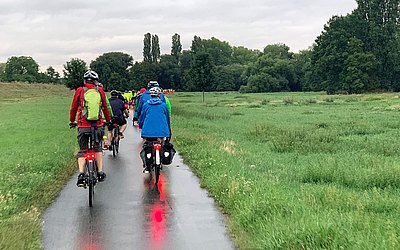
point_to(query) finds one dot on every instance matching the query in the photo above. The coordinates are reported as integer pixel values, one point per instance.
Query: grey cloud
(52, 32)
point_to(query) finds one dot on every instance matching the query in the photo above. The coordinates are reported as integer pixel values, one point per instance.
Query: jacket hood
(154, 101)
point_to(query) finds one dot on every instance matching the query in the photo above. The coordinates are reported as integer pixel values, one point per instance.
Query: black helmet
(114, 93)
(152, 84)
(91, 76)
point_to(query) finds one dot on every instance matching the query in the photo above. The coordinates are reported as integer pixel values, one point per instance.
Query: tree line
(359, 52)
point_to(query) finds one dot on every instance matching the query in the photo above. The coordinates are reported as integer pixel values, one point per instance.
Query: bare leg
(122, 128)
(99, 161)
(110, 134)
(81, 164)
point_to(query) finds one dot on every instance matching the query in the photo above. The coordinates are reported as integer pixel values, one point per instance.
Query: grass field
(297, 170)
(290, 170)
(36, 149)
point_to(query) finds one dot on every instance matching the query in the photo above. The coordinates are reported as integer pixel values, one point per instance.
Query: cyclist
(168, 104)
(90, 79)
(145, 97)
(120, 112)
(154, 120)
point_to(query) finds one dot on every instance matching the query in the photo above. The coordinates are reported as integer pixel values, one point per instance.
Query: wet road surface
(130, 212)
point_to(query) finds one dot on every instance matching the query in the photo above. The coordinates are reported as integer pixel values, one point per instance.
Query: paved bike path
(129, 212)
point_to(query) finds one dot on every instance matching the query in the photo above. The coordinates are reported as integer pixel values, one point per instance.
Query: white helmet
(90, 75)
(155, 91)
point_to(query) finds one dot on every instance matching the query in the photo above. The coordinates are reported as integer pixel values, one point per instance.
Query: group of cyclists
(93, 109)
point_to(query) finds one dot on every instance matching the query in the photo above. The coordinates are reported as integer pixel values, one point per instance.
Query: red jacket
(76, 107)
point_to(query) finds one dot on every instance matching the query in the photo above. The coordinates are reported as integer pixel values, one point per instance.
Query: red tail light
(90, 156)
(157, 146)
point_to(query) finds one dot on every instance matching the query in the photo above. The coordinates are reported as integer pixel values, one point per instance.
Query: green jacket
(168, 105)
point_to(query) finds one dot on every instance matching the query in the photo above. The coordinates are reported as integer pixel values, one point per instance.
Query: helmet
(155, 91)
(114, 93)
(90, 75)
(152, 84)
(142, 90)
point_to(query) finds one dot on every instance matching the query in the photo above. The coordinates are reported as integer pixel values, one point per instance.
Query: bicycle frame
(91, 166)
(115, 139)
(156, 163)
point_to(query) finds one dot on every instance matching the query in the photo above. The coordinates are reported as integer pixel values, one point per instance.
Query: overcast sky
(54, 31)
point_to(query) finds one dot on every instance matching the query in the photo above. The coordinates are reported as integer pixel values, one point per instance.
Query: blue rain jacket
(154, 119)
(143, 99)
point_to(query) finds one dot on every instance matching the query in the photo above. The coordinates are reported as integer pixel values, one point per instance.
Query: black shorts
(117, 120)
(83, 140)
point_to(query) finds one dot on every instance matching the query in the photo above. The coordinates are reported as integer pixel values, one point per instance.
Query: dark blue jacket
(143, 99)
(117, 107)
(154, 120)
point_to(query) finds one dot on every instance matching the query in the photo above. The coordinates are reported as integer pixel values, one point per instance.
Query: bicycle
(153, 158)
(90, 166)
(115, 140)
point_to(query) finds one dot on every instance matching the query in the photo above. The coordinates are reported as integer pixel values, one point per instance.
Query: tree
(113, 63)
(269, 74)
(330, 53)
(52, 75)
(142, 73)
(147, 56)
(168, 71)
(220, 51)
(358, 73)
(22, 68)
(278, 51)
(228, 78)
(73, 73)
(378, 29)
(185, 62)
(302, 68)
(201, 72)
(2, 68)
(176, 48)
(196, 45)
(155, 49)
(242, 55)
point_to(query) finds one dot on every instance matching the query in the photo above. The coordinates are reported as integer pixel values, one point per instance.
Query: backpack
(91, 108)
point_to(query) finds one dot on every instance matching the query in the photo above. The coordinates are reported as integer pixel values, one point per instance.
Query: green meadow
(288, 170)
(36, 158)
(297, 170)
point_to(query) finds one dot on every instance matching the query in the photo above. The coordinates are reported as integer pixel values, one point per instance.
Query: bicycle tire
(117, 146)
(117, 141)
(91, 183)
(91, 193)
(113, 147)
(156, 173)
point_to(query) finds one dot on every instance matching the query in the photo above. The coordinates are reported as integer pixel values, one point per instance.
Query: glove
(72, 124)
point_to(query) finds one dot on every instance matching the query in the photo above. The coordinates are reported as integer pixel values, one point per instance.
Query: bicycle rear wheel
(157, 173)
(117, 146)
(91, 182)
(113, 147)
(117, 141)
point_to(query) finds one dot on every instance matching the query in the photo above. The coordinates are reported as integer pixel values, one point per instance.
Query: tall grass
(295, 176)
(36, 149)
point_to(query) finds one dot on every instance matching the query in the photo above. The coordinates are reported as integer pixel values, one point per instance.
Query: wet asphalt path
(130, 212)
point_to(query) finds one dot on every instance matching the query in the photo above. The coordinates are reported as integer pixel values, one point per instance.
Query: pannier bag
(167, 154)
(147, 151)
